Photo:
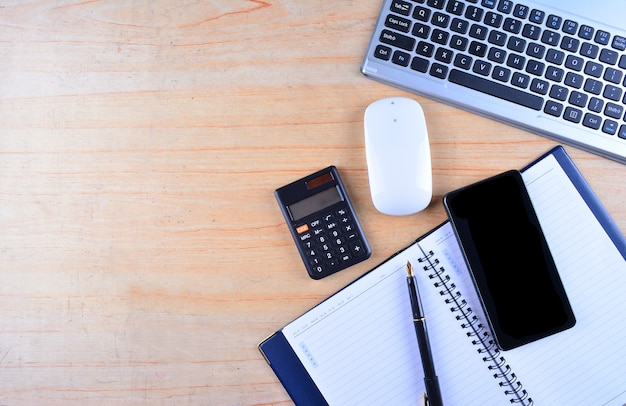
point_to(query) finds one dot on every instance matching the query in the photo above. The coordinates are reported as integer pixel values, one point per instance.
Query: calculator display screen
(314, 203)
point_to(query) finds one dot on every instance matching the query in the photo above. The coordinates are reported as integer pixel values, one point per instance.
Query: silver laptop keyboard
(536, 68)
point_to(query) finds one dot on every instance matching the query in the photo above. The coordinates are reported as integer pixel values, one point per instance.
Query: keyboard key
(478, 31)
(501, 74)
(578, 99)
(463, 61)
(550, 37)
(495, 89)
(622, 132)
(436, 4)
(516, 44)
(505, 6)
(444, 55)
(439, 36)
(421, 30)
(455, 7)
(474, 13)
(516, 61)
(608, 56)
(493, 19)
(539, 86)
(459, 43)
(592, 121)
(531, 31)
(401, 7)
(460, 26)
(602, 37)
(555, 74)
(586, 32)
(555, 56)
(593, 86)
(612, 92)
(521, 11)
(614, 110)
(593, 69)
(477, 49)
(401, 58)
(382, 52)
(609, 127)
(439, 71)
(536, 50)
(496, 55)
(573, 115)
(589, 50)
(553, 108)
(535, 67)
(512, 25)
(537, 16)
(619, 43)
(398, 23)
(482, 68)
(574, 63)
(559, 92)
(574, 80)
(596, 105)
(420, 64)
(554, 22)
(497, 38)
(397, 40)
(440, 20)
(520, 80)
(570, 44)
(425, 49)
(613, 75)
(570, 27)
(421, 14)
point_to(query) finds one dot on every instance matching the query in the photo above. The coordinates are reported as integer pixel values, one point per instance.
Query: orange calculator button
(302, 229)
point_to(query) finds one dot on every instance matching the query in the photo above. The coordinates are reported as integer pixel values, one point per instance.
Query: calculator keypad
(331, 241)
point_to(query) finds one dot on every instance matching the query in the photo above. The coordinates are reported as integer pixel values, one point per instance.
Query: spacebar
(495, 89)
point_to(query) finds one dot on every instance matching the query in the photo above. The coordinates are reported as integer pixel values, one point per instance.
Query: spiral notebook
(359, 347)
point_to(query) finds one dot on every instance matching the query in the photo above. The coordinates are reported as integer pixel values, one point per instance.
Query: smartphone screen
(509, 260)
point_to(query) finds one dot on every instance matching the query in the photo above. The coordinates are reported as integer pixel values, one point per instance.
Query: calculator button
(305, 237)
(302, 229)
(357, 248)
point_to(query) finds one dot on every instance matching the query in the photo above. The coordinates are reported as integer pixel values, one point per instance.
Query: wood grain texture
(142, 254)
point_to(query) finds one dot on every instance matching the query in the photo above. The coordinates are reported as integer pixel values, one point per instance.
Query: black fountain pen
(430, 377)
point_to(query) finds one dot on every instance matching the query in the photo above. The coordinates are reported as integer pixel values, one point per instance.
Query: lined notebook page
(585, 365)
(360, 347)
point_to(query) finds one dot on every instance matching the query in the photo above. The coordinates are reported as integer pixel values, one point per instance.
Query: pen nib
(409, 269)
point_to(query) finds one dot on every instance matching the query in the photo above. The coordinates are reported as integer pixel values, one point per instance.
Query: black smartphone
(509, 260)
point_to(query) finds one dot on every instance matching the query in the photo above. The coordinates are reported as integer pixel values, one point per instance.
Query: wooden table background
(142, 253)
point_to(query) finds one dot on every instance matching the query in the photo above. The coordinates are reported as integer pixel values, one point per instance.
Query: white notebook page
(359, 346)
(585, 365)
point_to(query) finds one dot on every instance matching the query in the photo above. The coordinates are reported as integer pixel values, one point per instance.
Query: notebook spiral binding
(475, 331)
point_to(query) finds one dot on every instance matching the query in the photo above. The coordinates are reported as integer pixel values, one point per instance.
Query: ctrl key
(383, 52)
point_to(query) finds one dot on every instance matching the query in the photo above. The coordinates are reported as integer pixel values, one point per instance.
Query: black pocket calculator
(323, 223)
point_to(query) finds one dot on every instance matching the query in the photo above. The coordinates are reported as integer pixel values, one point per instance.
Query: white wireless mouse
(398, 156)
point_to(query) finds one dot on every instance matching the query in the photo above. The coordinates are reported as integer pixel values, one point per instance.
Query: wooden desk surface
(142, 254)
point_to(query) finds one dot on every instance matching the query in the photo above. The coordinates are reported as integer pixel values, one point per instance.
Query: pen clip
(425, 400)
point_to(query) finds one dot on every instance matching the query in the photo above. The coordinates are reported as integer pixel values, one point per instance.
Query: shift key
(397, 40)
